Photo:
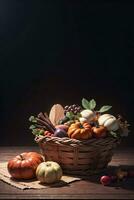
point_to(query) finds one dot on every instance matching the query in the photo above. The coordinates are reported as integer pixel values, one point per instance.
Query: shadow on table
(127, 183)
(60, 183)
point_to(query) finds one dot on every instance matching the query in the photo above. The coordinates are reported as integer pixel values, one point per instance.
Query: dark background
(59, 52)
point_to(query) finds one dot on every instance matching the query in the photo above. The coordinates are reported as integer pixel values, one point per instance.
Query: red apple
(105, 180)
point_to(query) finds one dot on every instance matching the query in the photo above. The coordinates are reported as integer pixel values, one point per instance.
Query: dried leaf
(56, 113)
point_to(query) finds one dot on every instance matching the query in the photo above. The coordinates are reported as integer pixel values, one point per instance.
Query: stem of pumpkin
(22, 158)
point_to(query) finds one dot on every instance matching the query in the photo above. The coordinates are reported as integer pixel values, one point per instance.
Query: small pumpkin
(109, 121)
(80, 130)
(49, 172)
(24, 166)
(99, 132)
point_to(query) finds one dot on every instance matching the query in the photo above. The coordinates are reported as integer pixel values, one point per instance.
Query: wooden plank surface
(84, 189)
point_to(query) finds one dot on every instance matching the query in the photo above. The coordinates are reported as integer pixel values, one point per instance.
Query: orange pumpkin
(99, 132)
(80, 130)
(24, 166)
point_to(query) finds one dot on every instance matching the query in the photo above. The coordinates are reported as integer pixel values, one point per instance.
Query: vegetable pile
(79, 122)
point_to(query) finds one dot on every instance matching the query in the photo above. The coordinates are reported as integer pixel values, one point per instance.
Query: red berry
(105, 180)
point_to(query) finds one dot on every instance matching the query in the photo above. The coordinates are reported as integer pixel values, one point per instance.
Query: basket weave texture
(78, 157)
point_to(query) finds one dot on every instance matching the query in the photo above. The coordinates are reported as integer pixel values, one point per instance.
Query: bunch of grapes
(73, 108)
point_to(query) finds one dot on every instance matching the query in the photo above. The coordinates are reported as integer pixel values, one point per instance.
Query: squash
(80, 131)
(99, 132)
(24, 166)
(49, 172)
(109, 121)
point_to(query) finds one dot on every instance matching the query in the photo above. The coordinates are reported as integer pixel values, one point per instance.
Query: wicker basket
(78, 157)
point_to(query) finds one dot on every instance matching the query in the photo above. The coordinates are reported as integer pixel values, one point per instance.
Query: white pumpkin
(49, 172)
(88, 115)
(109, 121)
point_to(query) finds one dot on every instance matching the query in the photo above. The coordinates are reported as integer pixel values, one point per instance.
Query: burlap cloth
(33, 183)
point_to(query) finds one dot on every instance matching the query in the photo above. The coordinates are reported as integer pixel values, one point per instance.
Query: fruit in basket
(62, 126)
(99, 132)
(109, 121)
(72, 108)
(59, 132)
(43, 121)
(65, 118)
(24, 166)
(80, 131)
(49, 172)
(48, 133)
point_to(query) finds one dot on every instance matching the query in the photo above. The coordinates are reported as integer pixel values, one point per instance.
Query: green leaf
(92, 104)
(105, 108)
(113, 134)
(41, 132)
(78, 115)
(85, 103)
(70, 115)
(32, 119)
(32, 127)
(35, 132)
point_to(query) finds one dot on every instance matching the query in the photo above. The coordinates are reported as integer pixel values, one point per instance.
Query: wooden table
(84, 189)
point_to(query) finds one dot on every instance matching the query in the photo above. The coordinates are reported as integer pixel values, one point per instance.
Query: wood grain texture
(85, 189)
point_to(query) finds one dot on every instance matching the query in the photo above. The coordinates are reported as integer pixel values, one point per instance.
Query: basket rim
(72, 142)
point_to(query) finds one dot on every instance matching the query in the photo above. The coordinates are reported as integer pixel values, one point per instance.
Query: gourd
(109, 121)
(99, 132)
(80, 130)
(24, 166)
(49, 172)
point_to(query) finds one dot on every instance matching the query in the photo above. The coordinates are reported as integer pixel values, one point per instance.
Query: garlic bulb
(88, 115)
